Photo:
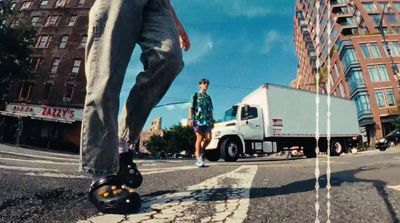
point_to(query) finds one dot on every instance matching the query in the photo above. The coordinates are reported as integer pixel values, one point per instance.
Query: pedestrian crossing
(395, 187)
(223, 198)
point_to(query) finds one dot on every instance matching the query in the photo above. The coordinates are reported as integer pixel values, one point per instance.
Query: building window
(80, 3)
(391, 18)
(34, 63)
(55, 64)
(378, 73)
(26, 6)
(61, 3)
(72, 20)
(394, 49)
(64, 40)
(349, 57)
(69, 92)
(34, 20)
(380, 101)
(77, 64)
(44, 3)
(362, 103)
(370, 50)
(25, 91)
(47, 90)
(376, 18)
(43, 41)
(384, 98)
(356, 80)
(397, 6)
(390, 97)
(52, 20)
(83, 42)
(369, 7)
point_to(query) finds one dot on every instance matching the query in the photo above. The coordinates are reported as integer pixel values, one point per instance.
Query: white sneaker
(200, 162)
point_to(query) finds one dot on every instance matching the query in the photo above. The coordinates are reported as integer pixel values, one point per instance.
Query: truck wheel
(213, 154)
(336, 148)
(230, 149)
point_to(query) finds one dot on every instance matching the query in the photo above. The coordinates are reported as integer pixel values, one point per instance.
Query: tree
(156, 144)
(175, 140)
(180, 139)
(16, 37)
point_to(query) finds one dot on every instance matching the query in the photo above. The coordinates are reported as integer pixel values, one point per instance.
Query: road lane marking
(222, 198)
(37, 156)
(57, 175)
(27, 168)
(38, 161)
(396, 187)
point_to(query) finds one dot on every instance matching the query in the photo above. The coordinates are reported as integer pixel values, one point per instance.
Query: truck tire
(337, 148)
(230, 149)
(213, 154)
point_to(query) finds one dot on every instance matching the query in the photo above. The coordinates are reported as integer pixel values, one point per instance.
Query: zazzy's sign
(46, 112)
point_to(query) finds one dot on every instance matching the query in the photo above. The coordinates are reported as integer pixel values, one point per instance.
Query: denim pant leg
(162, 60)
(114, 28)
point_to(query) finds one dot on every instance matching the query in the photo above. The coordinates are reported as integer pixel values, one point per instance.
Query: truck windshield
(230, 114)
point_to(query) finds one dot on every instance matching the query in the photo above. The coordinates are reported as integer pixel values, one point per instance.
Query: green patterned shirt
(202, 108)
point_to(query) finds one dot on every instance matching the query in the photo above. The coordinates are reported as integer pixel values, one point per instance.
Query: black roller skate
(128, 170)
(110, 195)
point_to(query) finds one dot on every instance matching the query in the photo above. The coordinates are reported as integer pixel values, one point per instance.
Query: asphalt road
(39, 186)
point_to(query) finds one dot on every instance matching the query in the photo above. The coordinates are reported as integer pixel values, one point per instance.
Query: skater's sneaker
(110, 195)
(199, 163)
(128, 170)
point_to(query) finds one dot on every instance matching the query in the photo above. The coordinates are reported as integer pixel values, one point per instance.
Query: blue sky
(236, 44)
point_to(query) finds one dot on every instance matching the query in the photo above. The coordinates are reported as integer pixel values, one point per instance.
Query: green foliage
(15, 48)
(175, 140)
(156, 144)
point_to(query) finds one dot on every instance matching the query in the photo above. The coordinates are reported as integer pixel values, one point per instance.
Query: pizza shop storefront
(42, 126)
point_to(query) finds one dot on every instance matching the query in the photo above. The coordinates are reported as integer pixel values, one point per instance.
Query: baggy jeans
(115, 27)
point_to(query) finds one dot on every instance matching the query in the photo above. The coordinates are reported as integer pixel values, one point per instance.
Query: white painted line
(38, 161)
(37, 156)
(176, 207)
(57, 175)
(27, 168)
(164, 170)
(397, 187)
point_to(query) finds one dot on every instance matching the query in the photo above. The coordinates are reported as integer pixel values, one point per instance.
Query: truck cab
(241, 123)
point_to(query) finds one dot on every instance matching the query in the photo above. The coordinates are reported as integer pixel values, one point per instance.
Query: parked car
(390, 140)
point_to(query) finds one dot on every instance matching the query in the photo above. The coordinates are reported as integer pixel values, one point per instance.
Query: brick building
(49, 104)
(353, 45)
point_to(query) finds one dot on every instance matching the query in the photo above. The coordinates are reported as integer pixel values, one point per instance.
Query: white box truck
(275, 118)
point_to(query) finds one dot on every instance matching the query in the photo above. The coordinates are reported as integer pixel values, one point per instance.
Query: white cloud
(279, 41)
(201, 46)
(184, 106)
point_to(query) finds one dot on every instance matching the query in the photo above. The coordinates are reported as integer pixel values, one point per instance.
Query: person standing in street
(115, 27)
(201, 119)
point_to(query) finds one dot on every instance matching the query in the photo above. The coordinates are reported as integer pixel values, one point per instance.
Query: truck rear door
(251, 123)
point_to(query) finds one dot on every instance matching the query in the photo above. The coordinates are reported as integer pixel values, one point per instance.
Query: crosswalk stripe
(37, 161)
(232, 190)
(56, 175)
(396, 187)
(37, 156)
(27, 168)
